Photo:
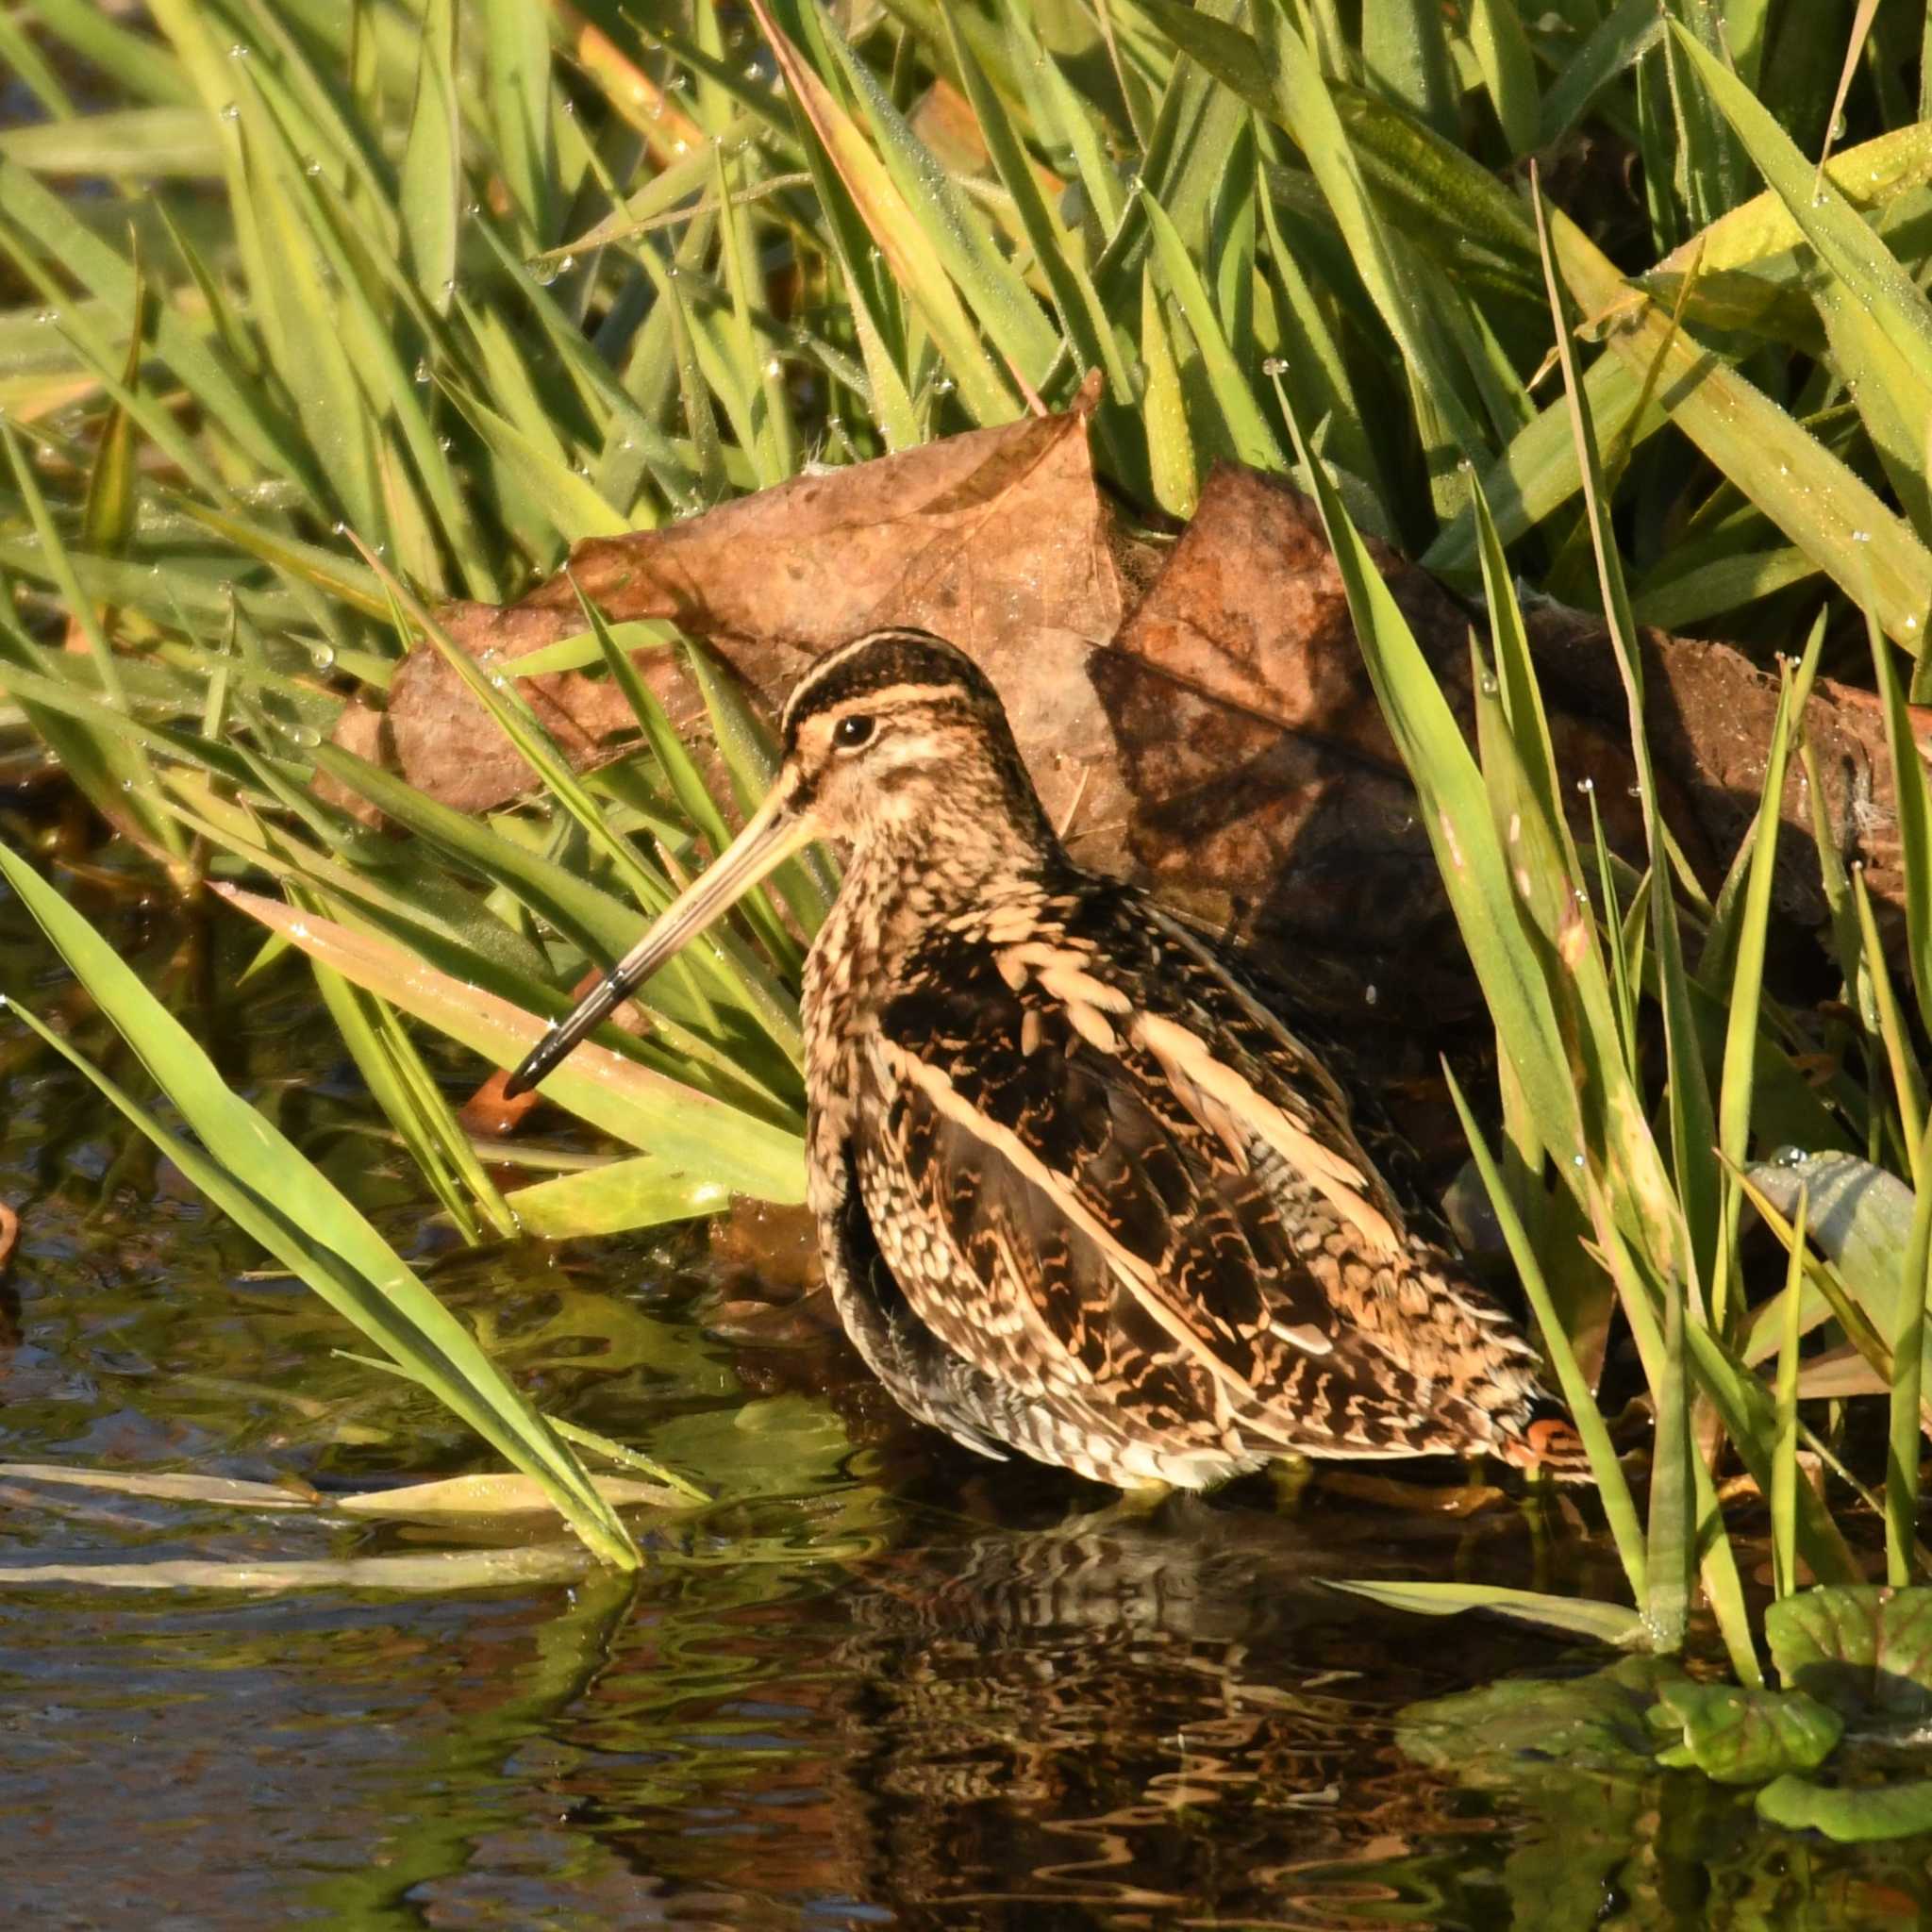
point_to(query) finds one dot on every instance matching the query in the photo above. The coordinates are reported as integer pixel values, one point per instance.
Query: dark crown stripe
(879, 661)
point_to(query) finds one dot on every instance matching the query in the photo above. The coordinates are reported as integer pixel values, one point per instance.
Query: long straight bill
(774, 833)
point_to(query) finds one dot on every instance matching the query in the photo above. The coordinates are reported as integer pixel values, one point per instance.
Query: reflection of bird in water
(985, 1725)
(1141, 1713)
(1081, 1192)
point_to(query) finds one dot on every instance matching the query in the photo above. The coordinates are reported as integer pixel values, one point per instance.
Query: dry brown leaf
(1221, 743)
(998, 538)
(446, 744)
(1266, 792)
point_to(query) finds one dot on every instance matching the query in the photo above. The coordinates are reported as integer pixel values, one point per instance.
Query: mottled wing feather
(1121, 1251)
(937, 1384)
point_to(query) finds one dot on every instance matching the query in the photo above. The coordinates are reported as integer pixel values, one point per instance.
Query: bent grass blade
(263, 1182)
(644, 1108)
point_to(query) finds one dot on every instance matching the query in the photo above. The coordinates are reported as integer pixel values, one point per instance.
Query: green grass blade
(1694, 1128)
(1456, 811)
(1508, 69)
(1819, 503)
(1619, 1508)
(1405, 52)
(1577, 1617)
(1087, 326)
(1914, 807)
(1894, 1030)
(1173, 473)
(1907, 1358)
(1244, 428)
(643, 1192)
(1870, 274)
(1300, 100)
(266, 1185)
(698, 1133)
(124, 786)
(902, 238)
(1784, 1466)
(992, 288)
(430, 186)
(1735, 1087)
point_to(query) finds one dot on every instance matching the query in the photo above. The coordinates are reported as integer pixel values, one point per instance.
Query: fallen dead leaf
(998, 539)
(431, 1572)
(1198, 713)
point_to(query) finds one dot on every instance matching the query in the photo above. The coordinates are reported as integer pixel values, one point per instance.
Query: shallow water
(878, 1684)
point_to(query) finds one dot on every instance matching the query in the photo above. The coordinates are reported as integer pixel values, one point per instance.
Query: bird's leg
(1291, 1476)
(1135, 1505)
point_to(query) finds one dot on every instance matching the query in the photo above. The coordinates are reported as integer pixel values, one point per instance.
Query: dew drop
(231, 110)
(1586, 786)
(1370, 996)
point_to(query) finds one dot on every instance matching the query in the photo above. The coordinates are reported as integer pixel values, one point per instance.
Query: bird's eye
(850, 733)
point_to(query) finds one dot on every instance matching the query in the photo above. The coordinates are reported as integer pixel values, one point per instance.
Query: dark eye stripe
(880, 661)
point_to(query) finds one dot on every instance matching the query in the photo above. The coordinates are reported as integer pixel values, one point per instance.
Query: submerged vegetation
(320, 314)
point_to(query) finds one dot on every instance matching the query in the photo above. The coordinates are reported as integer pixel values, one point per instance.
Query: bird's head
(896, 742)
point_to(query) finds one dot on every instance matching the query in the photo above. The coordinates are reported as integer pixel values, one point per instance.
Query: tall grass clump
(320, 313)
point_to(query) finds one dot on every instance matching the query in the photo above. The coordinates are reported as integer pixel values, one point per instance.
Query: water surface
(878, 1684)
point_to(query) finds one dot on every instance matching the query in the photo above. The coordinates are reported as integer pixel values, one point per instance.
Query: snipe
(1081, 1192)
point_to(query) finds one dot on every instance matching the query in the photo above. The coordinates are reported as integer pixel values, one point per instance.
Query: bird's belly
(877, 1267)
